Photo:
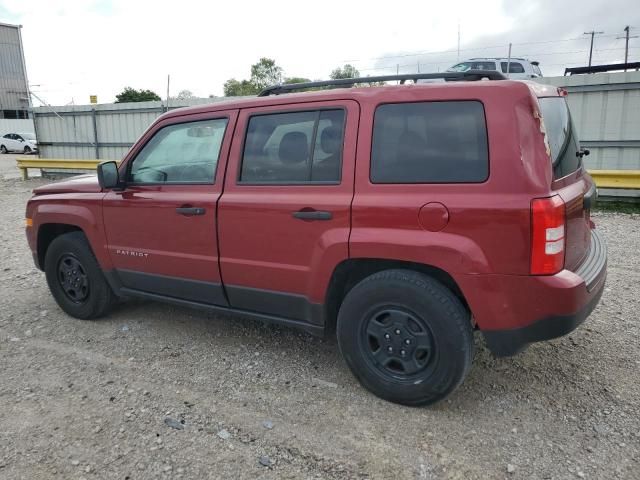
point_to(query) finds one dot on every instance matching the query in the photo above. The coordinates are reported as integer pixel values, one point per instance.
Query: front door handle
(312, 215)
(190, 211)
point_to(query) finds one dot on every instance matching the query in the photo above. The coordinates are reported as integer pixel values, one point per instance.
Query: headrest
(293, 148)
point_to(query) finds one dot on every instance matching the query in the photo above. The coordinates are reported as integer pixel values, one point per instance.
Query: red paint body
(479, 234)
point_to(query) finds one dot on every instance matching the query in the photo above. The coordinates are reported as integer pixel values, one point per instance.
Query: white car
(519, 68)
(18, 142)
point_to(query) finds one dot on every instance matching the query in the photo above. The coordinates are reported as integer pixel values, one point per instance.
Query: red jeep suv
(401, 217)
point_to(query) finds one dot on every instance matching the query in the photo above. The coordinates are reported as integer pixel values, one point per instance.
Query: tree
(265, 73)
(185, 94)
(235, 88)
(132, 95)
(348, 71)
(296, 80)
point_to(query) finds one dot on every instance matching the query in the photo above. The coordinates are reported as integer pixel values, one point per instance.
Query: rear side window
(514, 67)
(297, 147)
(430, 142)
(561, 136)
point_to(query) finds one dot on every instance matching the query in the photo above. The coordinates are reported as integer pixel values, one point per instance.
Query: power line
(437, 52)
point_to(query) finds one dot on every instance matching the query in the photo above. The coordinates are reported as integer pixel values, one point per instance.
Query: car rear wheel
(405, 336)
(3, 149)
(75, 278)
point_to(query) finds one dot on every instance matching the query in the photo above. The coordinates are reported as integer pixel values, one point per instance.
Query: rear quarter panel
(489, 223)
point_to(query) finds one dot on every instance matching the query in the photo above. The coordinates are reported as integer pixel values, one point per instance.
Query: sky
(77, 48)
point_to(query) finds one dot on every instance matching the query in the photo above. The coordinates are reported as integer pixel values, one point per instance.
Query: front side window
(430, 142)
(296, 147)
(181, 153)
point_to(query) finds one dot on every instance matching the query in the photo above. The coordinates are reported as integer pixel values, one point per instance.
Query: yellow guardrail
(616, 178)
(25, 163)
(603, 178)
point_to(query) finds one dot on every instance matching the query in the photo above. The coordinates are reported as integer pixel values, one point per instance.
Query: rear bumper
(513, 311)
(504, 343)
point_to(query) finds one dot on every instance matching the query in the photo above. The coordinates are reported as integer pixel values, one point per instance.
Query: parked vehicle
(402, 217)
(514, 68)
(18, 142)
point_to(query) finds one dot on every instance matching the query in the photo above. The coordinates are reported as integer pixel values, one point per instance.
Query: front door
(161, 228)
(284, 217)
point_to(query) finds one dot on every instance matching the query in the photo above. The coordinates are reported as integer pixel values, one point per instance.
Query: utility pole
(626, 45)
(458, 40)
(592, 33)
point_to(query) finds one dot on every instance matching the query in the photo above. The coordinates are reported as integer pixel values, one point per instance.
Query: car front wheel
(75, 278)
(405, 336)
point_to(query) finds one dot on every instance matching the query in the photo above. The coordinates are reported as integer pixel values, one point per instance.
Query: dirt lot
(89, 399)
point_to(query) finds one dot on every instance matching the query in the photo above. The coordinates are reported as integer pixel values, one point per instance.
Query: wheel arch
(48, 232)
(350, 272)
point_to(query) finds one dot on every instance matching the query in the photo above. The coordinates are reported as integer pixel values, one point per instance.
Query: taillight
(547, 235)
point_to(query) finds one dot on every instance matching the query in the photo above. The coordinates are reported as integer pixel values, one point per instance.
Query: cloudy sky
(75, 48)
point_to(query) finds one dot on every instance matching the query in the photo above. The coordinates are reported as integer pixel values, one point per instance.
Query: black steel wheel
(75, 278)
(398, 343)
(3, 149)
(27, 150)
(405, 336)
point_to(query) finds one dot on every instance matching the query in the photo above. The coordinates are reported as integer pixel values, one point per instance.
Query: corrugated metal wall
(13, 84)
(68, 132)
(605, 109)
(606, 112)
(15, 126)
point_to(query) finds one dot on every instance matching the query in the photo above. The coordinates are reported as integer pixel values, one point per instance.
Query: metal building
(14, 86)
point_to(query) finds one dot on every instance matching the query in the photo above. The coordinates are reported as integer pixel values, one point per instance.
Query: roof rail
(470, 75)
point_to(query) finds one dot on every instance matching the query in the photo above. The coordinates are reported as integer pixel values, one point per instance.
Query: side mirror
(108, 175)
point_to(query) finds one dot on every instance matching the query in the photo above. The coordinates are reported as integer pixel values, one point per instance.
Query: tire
(85, 293)
(3, 149)
(392, 307)
(27, 150)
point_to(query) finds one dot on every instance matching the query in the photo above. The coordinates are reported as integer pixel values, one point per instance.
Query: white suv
(519, 68)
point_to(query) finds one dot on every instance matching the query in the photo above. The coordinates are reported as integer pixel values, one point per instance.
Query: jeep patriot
(400, 217)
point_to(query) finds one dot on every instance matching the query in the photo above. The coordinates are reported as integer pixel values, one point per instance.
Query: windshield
(460, 67)
(473, 65)
(27, 136)
(561, 136)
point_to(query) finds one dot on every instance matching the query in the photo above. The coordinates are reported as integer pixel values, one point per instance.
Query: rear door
(284, 217)
(161, 228)
(570, 179)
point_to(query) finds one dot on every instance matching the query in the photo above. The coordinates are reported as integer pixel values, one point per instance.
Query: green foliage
(296, 80)
(239, 88)
(348, 71)
(132, 95)
(265, 73)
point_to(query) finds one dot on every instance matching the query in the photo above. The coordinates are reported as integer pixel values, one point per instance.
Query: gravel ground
(155, 391)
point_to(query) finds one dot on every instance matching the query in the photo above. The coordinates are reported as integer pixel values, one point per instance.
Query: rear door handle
(312, 215)
(190, 211)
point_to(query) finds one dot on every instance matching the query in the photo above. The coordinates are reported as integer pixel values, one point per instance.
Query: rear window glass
(430, 142)
(561, 136)
(514, 67)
